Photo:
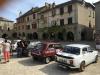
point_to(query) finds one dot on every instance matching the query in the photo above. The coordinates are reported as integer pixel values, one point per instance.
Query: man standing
(6, 51)
(19, 49)
(23, 45)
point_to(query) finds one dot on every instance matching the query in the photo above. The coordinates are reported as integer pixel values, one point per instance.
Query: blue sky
(12, 9)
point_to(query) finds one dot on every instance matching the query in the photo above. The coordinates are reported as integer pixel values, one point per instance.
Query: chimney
(20, 13)
(47, 5)
(53, 4)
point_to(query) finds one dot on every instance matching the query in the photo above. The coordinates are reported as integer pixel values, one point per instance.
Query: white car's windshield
(32, 44)
(15, 41)
(72, 50)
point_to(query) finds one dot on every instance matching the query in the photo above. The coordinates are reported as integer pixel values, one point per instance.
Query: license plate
(62, 60)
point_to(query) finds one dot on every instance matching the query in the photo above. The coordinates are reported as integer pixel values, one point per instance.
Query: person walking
(6, 51)
(1, 53)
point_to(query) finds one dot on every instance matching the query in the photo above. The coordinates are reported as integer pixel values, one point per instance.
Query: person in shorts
(6, 51)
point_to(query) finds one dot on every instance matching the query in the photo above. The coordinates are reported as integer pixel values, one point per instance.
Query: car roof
(78, 45)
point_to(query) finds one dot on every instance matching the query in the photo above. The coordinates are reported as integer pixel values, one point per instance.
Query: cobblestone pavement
(26, 66)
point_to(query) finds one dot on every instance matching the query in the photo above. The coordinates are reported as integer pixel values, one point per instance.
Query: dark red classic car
(46, 51)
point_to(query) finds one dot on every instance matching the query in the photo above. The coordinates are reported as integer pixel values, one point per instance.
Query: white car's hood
(32, 44)
(66, 54)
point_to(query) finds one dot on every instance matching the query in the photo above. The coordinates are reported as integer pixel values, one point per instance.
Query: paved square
(26, 66)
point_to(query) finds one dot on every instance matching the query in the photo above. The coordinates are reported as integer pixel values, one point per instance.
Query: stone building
(72, 21)
(97, 16)
(27, 25)
(6, 27)
(97, 24)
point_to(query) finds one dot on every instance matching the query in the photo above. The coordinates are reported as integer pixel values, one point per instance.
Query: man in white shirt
(6, 51)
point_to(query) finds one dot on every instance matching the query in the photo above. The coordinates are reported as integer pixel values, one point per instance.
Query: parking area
(26, 66)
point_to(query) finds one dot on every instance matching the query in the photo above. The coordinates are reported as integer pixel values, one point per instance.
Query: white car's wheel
(82, 67)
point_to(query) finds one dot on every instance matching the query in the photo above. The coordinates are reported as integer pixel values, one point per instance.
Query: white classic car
(2, 40)
(76, 56)
(32, 44)
(14, 44)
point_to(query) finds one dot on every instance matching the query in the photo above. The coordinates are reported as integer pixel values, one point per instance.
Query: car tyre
(96, 59)
(47, 60)
(82, 67)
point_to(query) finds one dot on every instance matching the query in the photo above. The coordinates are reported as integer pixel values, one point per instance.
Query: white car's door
(86, 55)
(91, 53)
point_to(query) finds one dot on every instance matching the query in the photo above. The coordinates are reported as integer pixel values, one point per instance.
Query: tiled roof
(56, 6)
(33, 10)
(76, 1)
(71, 2)
(4, 19)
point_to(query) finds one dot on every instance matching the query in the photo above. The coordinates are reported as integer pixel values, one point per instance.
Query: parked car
(2, 40)
(30, 47)
(77, 56)
(14, 44)
(46, 51)
(9, 41)
(32, 44)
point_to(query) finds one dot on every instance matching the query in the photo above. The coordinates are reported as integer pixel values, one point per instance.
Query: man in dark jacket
(23, 45)
(19, 49)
